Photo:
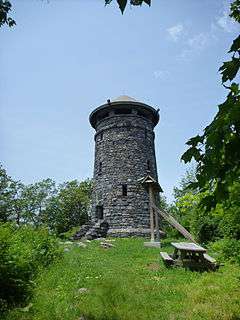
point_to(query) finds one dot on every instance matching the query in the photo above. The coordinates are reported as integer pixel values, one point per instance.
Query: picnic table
(189, 255)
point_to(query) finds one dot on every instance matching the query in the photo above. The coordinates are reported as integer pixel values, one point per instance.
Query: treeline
(57, 207)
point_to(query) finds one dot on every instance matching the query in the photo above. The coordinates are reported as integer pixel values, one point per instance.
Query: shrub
(228, 249)
(23, 252)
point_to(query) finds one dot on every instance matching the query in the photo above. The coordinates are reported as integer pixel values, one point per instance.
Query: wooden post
(157, 226)
(151, 200)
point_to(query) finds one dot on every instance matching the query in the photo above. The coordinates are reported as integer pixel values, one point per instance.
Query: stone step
(92, 231)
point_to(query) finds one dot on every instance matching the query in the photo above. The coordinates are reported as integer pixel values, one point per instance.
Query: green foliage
(122, 3)
(221, 221)
(163, 203)
(235, 10)
(43, 203)
(5, 194)
(5, 8)
(129, 282)
(69, 208)
(36, 198)
(229, 213)
(186, 184)
(204, 225)
(217, 151)
(23, 252)
(227, 249)
(69, 234)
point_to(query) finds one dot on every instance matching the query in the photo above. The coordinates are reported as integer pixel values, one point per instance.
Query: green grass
(130, 282)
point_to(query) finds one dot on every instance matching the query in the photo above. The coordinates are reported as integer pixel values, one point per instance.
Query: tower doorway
(99, 212)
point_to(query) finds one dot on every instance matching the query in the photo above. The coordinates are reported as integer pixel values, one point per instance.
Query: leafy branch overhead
(5, 8)
(217, 151)
(123, 3)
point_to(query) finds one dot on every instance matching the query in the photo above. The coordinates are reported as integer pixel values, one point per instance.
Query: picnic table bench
(189, 255)
(168, 261)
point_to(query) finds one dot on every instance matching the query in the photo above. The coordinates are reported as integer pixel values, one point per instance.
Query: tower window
(99, 212)
(123, 111)
(124, 190)
(148, 165)
(100, 168)
(103, 116)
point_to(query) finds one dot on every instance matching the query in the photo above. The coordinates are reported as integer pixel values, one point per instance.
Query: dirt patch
(153, 266)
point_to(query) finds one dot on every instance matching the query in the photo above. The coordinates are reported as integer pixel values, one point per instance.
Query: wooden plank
(168, 261)
(166, 256)
(173, 222)
(209, 259)
(186, 246)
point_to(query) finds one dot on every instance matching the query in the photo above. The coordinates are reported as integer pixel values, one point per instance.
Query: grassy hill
(127, 282)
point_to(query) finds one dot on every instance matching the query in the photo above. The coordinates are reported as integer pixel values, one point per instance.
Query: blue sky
(66, 57)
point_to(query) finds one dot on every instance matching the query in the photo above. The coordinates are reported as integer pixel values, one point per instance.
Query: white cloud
(198, 42)
(225, 22)
(175, 31)
(161, 74)
(195, 44)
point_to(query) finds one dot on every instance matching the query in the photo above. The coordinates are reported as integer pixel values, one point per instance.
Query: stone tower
(124, 155)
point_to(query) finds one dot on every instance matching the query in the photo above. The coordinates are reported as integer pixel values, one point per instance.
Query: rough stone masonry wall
(123, 146)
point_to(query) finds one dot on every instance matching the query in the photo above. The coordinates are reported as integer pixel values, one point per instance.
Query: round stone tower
(124, 156)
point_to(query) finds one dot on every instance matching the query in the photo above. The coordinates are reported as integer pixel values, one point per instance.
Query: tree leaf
(230, 69)
(191, 153)
(122, 5)
(235, 45)
(195, 140)
(148, 2)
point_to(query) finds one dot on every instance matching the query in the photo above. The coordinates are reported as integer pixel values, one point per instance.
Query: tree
(5, 8)
(69, 208)
(35, 200)
(5, 194)
(17, 203)
(185, 184)
(217, 151)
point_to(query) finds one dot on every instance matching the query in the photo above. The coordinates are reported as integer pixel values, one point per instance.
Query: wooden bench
(168, 261)
(211, 261)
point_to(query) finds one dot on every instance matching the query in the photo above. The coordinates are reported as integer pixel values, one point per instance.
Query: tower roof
(124, 98)
(123, 103)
